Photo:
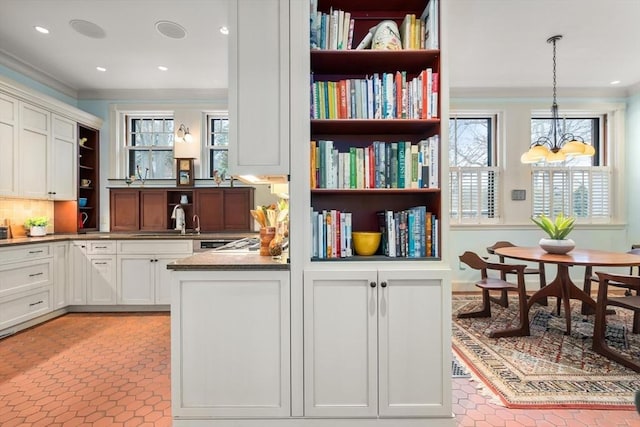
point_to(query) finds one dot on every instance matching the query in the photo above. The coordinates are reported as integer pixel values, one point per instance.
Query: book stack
(381, 164)
(332, 30)
(331, 234)
(410, 233)
(380, 96)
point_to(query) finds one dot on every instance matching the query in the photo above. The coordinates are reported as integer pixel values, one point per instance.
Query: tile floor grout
(112, 369)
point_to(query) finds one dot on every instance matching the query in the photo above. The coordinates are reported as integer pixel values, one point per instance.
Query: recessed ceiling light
(87, 28)
(162, 68)
(224, 30)
(171, 29)
(615, 82)
(101, 69)
(42, 30)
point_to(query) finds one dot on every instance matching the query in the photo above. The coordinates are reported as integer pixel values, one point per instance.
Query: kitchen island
(230, 337)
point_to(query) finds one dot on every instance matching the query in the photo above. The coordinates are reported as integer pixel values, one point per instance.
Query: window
(218, 144)
(149, 146)
(473, 175)
(580, 186)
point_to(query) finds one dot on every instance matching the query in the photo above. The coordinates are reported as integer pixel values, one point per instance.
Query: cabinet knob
(372, 284)
(383, 284)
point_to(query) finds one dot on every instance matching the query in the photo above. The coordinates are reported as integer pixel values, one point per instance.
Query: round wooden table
(562, 286)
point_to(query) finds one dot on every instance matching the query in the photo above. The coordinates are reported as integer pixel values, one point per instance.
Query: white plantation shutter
(579, 191)
(474, 194)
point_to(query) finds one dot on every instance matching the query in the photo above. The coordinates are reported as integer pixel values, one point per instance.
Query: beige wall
(18, 210)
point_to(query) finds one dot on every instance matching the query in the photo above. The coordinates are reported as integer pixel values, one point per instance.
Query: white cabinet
(93, 272)
(143, 277)
(26, 277)
(259, 87)
(63, 159)
(77, 288)
(376, 343)
(8, 146)
(60, 273)
(230, 344)
(35, 132)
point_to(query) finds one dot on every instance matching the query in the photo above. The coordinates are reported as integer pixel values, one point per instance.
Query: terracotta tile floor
(112, 370)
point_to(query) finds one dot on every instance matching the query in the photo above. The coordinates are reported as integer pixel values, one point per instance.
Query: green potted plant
(37, 225)
(558, 230)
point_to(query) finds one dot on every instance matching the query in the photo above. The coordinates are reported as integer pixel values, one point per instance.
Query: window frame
(492, 171)
(567, 172)
(150, 149)
(207, 148)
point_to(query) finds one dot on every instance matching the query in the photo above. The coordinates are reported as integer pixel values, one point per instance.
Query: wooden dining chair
(488, 284)
(590, 278)
(628, 302)
(503, 299)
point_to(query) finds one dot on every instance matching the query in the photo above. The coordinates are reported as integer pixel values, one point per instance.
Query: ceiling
(492, 44)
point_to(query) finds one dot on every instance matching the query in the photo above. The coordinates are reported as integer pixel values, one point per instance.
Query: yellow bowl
(366, 242)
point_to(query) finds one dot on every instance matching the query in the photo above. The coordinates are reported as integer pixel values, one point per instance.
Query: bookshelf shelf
(373, 126)
(360, 62)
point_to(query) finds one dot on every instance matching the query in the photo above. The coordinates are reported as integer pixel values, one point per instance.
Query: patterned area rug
(547, 369)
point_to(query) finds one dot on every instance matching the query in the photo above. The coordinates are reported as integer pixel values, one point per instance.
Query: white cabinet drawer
(99, 247)
(23, 276)
(25, 306)
(24, 253)
(155, 246)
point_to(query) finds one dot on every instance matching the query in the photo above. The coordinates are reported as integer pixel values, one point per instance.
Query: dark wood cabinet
(153, 210)
(209, 206)
(89, 178)
(124, 210)
(238, 203)
(219, 209)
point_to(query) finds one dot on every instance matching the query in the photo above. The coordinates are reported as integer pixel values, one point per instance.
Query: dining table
(562, 286)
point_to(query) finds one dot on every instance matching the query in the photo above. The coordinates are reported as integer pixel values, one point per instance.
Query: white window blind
(583, 192)
(474, 194)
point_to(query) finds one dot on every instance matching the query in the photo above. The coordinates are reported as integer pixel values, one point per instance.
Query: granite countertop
(123, 236)
(214, 260)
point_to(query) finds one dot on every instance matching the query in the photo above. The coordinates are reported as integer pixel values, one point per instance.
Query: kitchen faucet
(196, 220)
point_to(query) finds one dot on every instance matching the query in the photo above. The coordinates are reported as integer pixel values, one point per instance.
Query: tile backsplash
(18, 210)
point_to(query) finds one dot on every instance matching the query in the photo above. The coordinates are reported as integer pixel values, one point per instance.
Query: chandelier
(558, 146)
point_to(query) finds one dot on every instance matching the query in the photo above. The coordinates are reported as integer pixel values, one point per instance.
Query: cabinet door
(123, 210)
(34, 151)
(259, 87)
(60, 274)
(163, 278)
(101, 282)
(230, 340)
(209, 206)
(340, 343)
(63, 183)
(153, 210)
(414, 344)
(8, 146)
(77, 287)
(238, 203)
(136, 279)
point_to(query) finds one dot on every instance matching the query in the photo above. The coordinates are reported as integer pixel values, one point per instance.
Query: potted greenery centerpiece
(558, 230)
(37, 225)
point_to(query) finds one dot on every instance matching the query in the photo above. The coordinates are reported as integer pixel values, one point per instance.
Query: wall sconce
(183, 132)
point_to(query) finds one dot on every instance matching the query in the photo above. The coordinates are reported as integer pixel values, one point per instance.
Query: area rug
(547, 369)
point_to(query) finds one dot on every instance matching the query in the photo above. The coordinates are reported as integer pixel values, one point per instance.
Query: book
(414, 166)
(313, 169)
(401, 164)
(366, 41)
(393, 165)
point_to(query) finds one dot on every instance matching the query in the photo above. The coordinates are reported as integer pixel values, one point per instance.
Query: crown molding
(39, 76)
(537, 92)
(35, 97)
(217, 95)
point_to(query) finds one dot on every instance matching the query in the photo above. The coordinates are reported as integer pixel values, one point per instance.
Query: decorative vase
(266, 236)
(554, 246)
(37, 231)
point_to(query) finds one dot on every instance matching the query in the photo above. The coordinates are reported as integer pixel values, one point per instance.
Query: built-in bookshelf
(88, 178)
(375, 128)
